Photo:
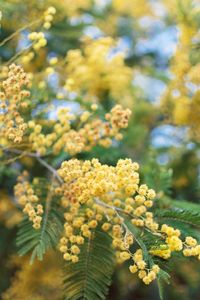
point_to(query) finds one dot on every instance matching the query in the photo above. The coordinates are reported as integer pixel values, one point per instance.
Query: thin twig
(18, 151)
(50, 168)
(11, 160)
(112, 207)
(13, 58)
(39, 159)
(108, 206)
(18, 31)
(47, 208)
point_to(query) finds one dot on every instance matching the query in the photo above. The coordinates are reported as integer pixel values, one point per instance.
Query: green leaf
(142, 240)
(179, 215)
(158, 177)
(137, 233)
(185, 205)
(163, 278)
(40, 240)
(90, 277)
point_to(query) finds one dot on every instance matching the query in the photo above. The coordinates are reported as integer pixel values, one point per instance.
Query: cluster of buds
(140, 266)
(108, 198)
(172, 240)
(173, 243)
(107, 194)
(96, 71)
(191, 247)
(13, 98)
(38, 140)
(96, 195)
(27, 57)
(90, 179)
(38, 39)
(92, 131)
(48, 17)
(118, 118)
(29, 200)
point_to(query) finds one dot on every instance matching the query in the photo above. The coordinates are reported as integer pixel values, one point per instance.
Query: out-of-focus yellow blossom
(134, 8)
(10, 215)
(75, 8)
(93, 131)
(40, 281)
(39, 40)
(96, 70)
(112, 20)
(48, 17)
(182, 95)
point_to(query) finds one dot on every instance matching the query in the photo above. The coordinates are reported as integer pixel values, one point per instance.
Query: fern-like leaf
(158, 177)
(163, 278)
(39, 241)
(137, 233)
(179, 215)
(90, 277)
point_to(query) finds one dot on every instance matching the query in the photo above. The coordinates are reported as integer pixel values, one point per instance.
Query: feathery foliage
(90, 277)
(39, 241)
(179, 215)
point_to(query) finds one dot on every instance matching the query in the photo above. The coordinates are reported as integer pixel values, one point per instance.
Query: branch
(50, 168)
(47, 208)
(109, 206)
(39, 159)
(19, 31)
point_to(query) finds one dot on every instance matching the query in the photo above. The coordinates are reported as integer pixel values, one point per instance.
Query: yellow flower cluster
(123, 243)
(38, 40)
(182, 96)
(4, 72)
(92, 131)
(139, 266)
(13, 99)
(75, 8)
(93, 195)
(90, 179)
(26, 58)
(191, 247)
(62, 133)
(29, 200)
(132, 7)
(96, 70)
(102, 196)
(172, 242)
(48, 17)
(10, 216)
(30, 279)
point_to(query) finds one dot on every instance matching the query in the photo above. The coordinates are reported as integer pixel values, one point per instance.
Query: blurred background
(153, 48)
